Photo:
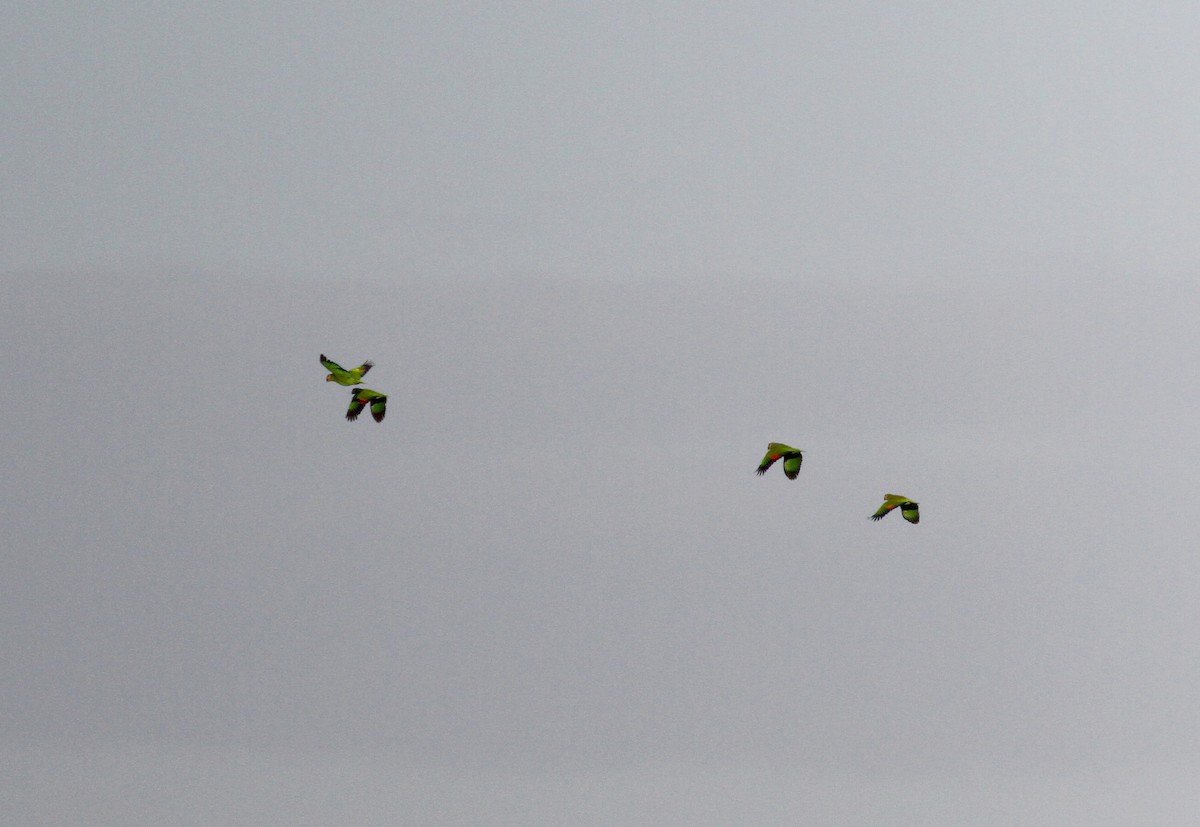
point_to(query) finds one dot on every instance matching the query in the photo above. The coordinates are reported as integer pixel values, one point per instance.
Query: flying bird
(792, 457)
(908, 508)
(360, 398)
(339, 374)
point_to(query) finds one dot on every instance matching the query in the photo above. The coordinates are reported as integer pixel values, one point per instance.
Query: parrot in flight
(362, 397)
(908, 508)
(339, 374)
(792, 457)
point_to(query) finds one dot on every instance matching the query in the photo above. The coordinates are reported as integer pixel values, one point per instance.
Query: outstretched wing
(791, 464)
(331, 366)
(379, 406)
(775, 451)
(908, 510)
(362, 369)
(890, 501)
(337, 373)
(767, 462)
(358, 401)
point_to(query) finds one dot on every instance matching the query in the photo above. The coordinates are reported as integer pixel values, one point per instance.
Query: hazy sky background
(601, 256)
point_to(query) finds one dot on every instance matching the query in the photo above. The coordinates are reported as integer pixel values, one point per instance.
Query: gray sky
(600, 257)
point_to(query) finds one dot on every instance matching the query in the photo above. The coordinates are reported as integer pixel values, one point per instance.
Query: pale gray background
(601, 255)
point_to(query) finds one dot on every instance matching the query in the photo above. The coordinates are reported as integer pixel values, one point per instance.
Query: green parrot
(359, 400)
(792, 457)
(339, 374)
(908, 508)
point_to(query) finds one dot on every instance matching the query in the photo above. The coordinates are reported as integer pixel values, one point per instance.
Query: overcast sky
(600, 257)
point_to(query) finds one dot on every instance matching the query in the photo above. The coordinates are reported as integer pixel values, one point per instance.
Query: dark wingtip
(761, 471)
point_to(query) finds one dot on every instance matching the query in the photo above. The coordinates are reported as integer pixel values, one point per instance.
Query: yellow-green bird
(908, 508)
(360, 398)
(792, 457)
(339, 374)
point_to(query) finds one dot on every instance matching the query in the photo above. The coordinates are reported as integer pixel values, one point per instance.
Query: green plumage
(792, 457)
(360, 398)
(908, 508)
(339, 374)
